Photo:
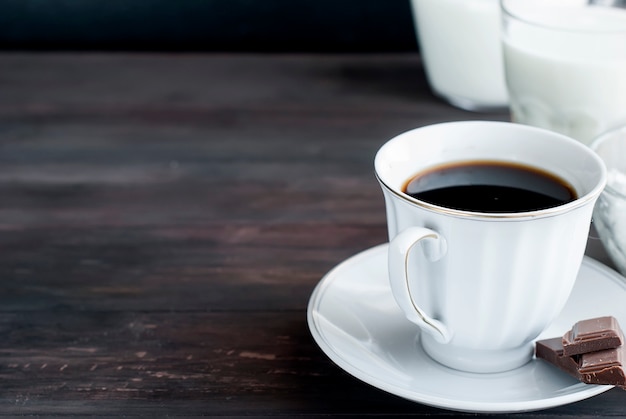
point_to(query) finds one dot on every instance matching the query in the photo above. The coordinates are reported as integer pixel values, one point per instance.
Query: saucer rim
(587, 390)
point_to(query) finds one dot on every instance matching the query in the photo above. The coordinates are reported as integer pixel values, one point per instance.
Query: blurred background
(208, 25)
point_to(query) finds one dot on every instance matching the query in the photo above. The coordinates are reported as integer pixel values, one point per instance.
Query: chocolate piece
(592, 335)
(551, 350)
(603, 367)
(599, 367)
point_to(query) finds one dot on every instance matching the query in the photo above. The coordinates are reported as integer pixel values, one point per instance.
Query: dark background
(208, 25)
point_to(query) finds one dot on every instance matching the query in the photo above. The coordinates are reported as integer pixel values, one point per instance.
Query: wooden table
(165, 218)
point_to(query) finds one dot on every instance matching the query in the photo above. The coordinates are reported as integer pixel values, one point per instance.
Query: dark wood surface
(165, 218)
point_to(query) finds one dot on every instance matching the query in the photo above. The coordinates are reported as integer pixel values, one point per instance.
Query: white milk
(460, 46)
(571, 79)
(609, 215)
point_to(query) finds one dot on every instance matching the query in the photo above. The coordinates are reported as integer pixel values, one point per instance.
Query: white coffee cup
(481, 285)
(461, 51)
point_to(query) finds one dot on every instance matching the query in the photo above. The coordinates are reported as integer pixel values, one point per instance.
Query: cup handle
(434, 246)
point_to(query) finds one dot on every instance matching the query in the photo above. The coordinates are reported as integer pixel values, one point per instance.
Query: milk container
(460, 47)
(566, 70)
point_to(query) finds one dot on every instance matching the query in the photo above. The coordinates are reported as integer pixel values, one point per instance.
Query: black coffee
(490, 186)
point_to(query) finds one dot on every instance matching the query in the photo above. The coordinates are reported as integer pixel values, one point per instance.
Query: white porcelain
(483, 285)
(610, 211)
(461, 52)
(565, 65)
(354, 319)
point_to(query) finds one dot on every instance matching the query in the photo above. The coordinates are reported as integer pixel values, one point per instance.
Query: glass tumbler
(565, 65)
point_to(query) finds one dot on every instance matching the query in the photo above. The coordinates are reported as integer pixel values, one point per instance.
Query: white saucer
(356, 322)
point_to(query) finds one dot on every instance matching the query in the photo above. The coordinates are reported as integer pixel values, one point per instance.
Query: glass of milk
(609, 214)
(461, 51)
(565, 65)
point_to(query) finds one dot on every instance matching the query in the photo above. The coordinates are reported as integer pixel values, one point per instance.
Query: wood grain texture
(165, 218)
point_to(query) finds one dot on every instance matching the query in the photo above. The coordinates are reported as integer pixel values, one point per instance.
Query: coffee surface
(490, 187)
